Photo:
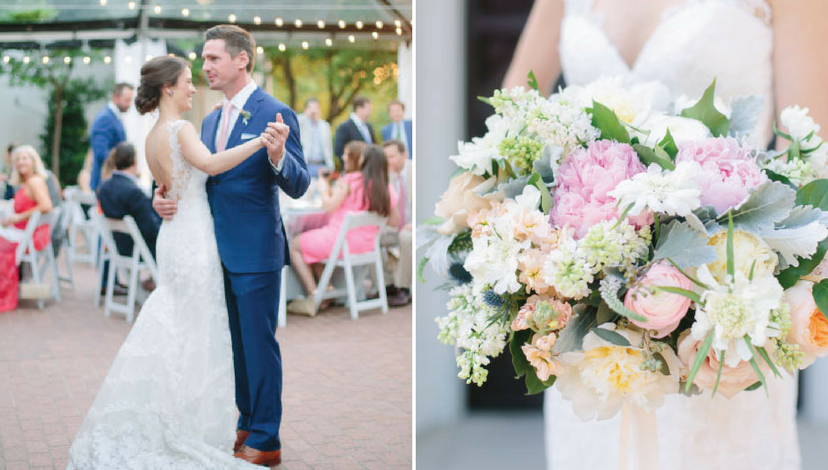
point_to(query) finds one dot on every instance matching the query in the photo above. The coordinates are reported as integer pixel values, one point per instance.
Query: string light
(131, 5)
(341, 24)
(359, 24)
(87, 60)
(45, 59)
(398, 23)
(329, 42)
(170, 55)
(67, 60)
(103, 3)
(375, 35)
(351, 38)
(282, 47)
(279, 22)
(128, 59)
(6, 59)
(157, 9)
(380, 24)
(298, 23)
(231, 18)
(26, 60)
(107, 59)
(321, 24)
(399, 31)
(185, 12)
(192, 55)
(257, 20)
(259, 50)
(305, 45)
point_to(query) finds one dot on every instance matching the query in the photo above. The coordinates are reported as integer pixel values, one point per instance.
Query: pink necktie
(225, 127)
(401, 202)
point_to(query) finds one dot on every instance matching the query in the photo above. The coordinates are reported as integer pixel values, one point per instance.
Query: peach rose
(809, 327)
(663, 310)
(463, 197)
(733, 379)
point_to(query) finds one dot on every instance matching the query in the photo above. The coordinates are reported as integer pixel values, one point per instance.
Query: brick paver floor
(347, 397)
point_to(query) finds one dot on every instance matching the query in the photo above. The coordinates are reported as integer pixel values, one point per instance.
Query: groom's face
(219, 66)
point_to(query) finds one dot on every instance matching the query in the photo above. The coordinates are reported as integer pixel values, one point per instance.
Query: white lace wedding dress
(730, 40)
(168, 399)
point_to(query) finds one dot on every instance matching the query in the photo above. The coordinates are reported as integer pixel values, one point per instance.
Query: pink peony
(584, 180)
(729, 170)
(663, 310)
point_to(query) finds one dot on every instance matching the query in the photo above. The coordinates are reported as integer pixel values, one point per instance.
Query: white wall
(440, 123)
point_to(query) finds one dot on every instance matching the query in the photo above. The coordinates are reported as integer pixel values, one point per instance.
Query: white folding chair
(60, 233)
(350, 261)
(82, 225)
(39, 261)
(140, 259)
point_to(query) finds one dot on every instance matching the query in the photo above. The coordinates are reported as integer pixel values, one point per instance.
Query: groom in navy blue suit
(249, 231)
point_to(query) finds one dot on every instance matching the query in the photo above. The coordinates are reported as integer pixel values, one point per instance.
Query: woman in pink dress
(365, 190)
(32, 196)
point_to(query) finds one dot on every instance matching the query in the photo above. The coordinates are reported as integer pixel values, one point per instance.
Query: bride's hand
(166, 208)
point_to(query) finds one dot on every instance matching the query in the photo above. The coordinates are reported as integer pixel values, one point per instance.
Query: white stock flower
(599, 379)
(733, 310)
(799, 172)
(799, 124)
(659, 190)
(494, 258)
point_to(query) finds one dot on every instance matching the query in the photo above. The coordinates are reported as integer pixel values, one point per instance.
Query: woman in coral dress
(365, 190)
(33, 195)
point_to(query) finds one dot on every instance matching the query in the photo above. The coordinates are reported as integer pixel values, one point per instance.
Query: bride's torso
(684, 44)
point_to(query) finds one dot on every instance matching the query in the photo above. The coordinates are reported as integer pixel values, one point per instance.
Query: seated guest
(399, 169)
(352, 156)
(120, 196)
(29, 175)
(366, 190)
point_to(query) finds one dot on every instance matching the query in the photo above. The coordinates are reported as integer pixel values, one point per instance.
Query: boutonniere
(245, 114)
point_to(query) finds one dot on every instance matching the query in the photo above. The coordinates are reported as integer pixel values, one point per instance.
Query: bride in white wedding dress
(749, 47)
(168, 399)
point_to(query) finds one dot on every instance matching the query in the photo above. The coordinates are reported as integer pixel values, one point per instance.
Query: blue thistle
(459, 274)
(493, 300)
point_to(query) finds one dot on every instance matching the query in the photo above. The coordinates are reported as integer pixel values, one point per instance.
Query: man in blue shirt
(400, 128)
(108, 129)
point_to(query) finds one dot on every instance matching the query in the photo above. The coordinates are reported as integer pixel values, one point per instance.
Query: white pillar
(405, 77)
(440, 123)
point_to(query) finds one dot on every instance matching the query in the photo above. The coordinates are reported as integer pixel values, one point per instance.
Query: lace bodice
(187, 181)
(695, 42)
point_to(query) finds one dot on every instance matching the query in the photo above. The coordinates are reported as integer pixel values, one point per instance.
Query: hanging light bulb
(351, 38)
(359, 24)
(279, 22)
(131, 5)
(67, 60)
(257, 20)
(375, 35)
(282, 47)
(231, 18)
(341, 24)
(259, 50)
(26, 60)
(6, 59)
(399, 31)
(45, 59)
(321, 24)
(398, 23)
(298, 23)
(185, 12)
(380, 24)
(192, 55)
(305, 45)
(329, 42)
(87, 60)
(107, 59)
(103, 3)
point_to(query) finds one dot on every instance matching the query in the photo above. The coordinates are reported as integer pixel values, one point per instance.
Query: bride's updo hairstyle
(159, 71)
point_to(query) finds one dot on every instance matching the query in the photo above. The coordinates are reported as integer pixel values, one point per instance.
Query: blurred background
(463, 426)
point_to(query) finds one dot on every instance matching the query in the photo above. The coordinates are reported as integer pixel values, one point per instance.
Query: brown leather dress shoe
(241, 436)
(257, 457)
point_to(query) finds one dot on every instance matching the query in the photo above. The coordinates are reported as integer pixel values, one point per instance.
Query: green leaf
(683, 244)
(774, 176)
(731, 266)
(534, 385)
(519, 361)
(611, 337)
(719, 373)
(572, 336)
(420, 268)
(433, 221)
(533, 82)
(609, 292)
(766, 205)
(790, 276)
(701, 355)
(753, 387)
(546, 197)
(605, 120)
(755, 365)
(794, 151)
(820, 293)
(766, 357)
(780, 133)
(665, 368)
(706, 112)
(485, 99)
(649, 156)
(692, 279)
(682, 292)
(668, 143)
(605, 314)
(814, 194)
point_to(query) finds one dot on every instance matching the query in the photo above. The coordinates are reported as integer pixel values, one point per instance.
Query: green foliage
(655, 155)
(34, 15)
(813, 194)
(605, 120)
(820, 292)
(701, 355)
(706, 112)
(533, 81)
(611, 337)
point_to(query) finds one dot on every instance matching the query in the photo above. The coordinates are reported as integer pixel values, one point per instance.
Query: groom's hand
(166, 208)
(275, 137)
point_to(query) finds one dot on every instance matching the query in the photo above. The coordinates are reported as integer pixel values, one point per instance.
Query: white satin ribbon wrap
(640, 426)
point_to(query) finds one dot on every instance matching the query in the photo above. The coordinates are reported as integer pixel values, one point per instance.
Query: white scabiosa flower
(599, 379)
(477, 156)
(659, 190)
(735, 309)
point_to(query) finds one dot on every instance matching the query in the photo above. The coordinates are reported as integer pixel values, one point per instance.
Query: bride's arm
(537, 50)
(800, 63)
(195, 152)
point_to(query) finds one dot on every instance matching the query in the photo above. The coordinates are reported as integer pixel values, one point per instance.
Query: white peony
(599, 379)
(799, 124)
(736, 309)
(659, 190)
(633, 103)
(682, 129)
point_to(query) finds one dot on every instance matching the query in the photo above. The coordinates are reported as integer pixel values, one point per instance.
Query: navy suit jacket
(348, 132)
(388, 130)
(119, 196)
(107, 132)
(245, 199)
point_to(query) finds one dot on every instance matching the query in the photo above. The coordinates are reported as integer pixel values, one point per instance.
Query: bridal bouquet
(625, 244)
